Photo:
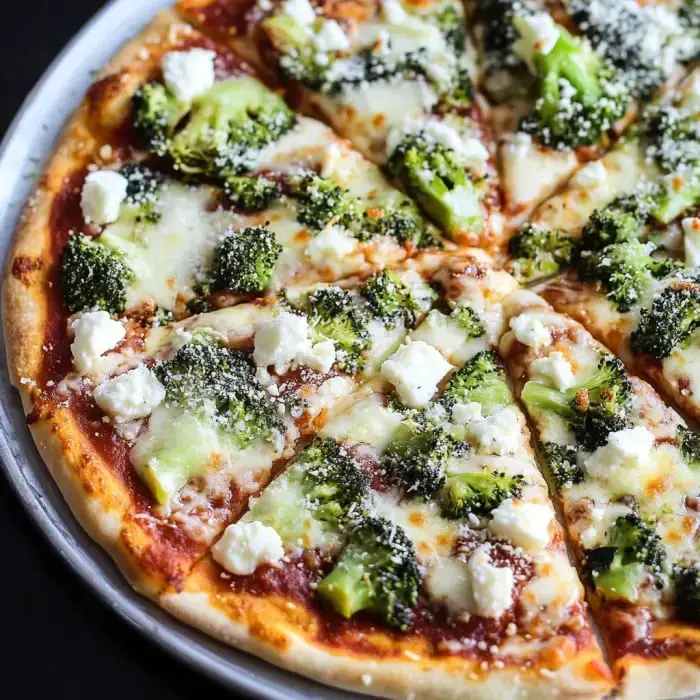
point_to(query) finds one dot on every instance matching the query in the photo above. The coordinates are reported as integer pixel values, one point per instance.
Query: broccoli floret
(156, 114)
(621, 220)
(469, 321)
(377, 572)
(93, 276)
(620, 34)
(481, 380)
(335, 314)
(593, 409)
(250, 193)
(218, 385)
(673, 316)
(477, 493)
(539, 252)
(431, 173)
(688, 442)
(320, 200)
(391, 300)
(689, 14)
(318, 495)
(456, 93)
(634, 551)
(227, 126)
(686, 581)
(625, 270)
(418, 455)
(581, 95)
(453, 28)
(245, 261)
(562, 465)
(142, 193)
(398, 220)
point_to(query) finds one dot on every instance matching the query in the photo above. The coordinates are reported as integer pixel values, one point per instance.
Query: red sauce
(225, 16)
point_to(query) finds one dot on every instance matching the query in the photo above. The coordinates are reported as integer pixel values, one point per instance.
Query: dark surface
(58, 639)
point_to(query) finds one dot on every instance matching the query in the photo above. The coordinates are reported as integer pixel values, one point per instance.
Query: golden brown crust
(286, 633)
(103, 502)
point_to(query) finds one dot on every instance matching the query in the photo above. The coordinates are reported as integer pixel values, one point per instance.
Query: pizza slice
(563, 91)
(393, 77)
(411, 548)
(624, 468)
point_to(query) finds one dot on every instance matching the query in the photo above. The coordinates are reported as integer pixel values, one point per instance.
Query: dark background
(58, 639)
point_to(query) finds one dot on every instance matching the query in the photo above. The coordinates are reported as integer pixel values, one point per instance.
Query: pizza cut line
(266, 316)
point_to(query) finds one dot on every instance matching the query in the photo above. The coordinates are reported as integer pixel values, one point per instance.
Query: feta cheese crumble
(131, 395)
(526, 525)
(492, 586)
(245, 546)
(102, 196)
(95, 334)
(537, 35)
(331, 37)
(188, 74)
(415, 370)
(499, 434)
(691, 240)
(554, 369)
(299, 10)
(530, 331)
(333, 244)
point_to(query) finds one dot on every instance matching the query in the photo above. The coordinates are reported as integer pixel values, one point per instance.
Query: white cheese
(591, 176)
(321, 356)
(470, 152)
(492, 586)
(499, 434)
(131, 395)
(393, 12)
(366, 422)
(415, 370)
(95, 333)
(188, 74)
(442, 332)
(464, 413)
(538, 35)
(448, 581)
(331, 37)
(102, 196)
(332, 244)
(526, 525)
(628, 448)
(280, 340)
(245, 546)
(554, 369)
(691, 240)
(530, 331)
(299, 10)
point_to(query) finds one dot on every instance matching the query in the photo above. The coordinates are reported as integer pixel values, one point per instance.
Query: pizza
(266, 313)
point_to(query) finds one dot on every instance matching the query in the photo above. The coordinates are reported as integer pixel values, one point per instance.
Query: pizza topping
(691, 240)
(524, 524)
(553, 368)
(131, 395)
(500, 433)
(591, 176)
(449, 333)
(628, 449)
(331, 37)
(245, 546)
(95, 334)
(188, 74)
(333, 244)
(102, 196)
(530, 331)
(537, 35)
(367, 422)
(491, 586)
(300, 11)
(415, 370)
(449, 581)
(477, 493)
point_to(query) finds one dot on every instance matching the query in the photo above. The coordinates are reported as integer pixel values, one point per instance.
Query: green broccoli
(320, 493)
(581, 95)
(625, 270)
(468, 320)
(245, 261)
(335, 314)
(672, 318)
(431, 173)
(539, 252)
(219, 386)
(250, 193)
(451, 24)
(477, 493)
(481, 380)
(398, 220)
(562, 465)
(321, 201)
(93, 276)
(142, 193)
(593, 409)
(634, 552)
(621, 220)
(686, 580)
(418, 455)
(391, 300)
(688, 442)
(156, 114)
(226, 128)
(457, 93)
(377, 572)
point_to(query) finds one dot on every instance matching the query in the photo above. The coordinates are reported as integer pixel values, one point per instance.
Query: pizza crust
(649, 679)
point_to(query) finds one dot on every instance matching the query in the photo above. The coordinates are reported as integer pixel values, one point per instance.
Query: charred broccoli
(156, 114)
(391, 300)
(562, 465)
(621, 220)
(321, 201)
(688, 442)
(477, 493)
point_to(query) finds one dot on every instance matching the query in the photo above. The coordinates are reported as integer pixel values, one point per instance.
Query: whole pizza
(365, 336)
